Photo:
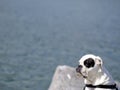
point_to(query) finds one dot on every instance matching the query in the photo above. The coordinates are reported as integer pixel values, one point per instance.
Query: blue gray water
(38, 35)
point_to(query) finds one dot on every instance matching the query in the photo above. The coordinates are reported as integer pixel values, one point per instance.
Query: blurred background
(38, 35)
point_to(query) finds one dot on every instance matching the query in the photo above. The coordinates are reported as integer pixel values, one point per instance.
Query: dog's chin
(80, 74)
(84, 76)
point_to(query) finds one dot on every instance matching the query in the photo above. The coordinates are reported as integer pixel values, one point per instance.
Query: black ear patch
(89, 63)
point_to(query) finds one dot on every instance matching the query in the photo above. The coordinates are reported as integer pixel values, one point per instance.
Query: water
(38, 35)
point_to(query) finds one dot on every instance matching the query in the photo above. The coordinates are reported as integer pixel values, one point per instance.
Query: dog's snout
(79, 66)
(78, 69)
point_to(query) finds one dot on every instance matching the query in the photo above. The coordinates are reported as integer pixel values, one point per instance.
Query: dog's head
(89, 65)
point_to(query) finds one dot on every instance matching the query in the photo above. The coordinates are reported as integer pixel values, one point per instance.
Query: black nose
(78, 69)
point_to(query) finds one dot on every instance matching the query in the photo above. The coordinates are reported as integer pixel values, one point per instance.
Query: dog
(95, 75)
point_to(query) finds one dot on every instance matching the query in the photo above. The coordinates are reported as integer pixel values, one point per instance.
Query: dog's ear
(99, 62)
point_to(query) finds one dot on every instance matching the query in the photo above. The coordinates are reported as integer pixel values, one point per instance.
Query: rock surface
(65, 78)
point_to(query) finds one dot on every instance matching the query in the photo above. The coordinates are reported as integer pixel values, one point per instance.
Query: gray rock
(66, 78)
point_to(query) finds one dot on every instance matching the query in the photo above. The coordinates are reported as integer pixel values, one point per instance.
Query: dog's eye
(89, 63)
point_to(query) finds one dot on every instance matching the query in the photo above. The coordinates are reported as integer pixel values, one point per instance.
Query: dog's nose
(78, 69)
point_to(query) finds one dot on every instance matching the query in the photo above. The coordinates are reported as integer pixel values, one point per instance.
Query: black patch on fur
(89, 63)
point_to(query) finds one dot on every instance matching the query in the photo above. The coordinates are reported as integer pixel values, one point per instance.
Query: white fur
(96, 75)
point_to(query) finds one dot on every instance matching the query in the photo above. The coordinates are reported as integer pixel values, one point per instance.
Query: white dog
(96, 77)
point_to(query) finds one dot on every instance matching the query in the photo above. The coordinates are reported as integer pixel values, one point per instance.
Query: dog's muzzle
(79, 68)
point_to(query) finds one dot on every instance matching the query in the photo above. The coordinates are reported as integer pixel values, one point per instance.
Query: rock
(66, 78)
